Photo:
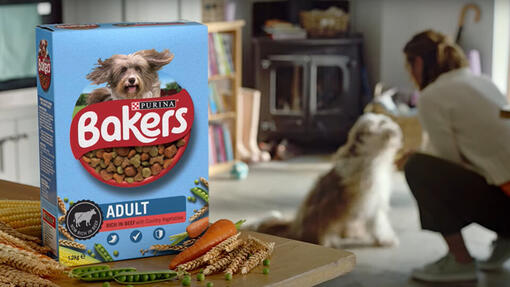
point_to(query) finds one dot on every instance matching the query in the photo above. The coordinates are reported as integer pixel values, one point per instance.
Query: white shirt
(460, 114)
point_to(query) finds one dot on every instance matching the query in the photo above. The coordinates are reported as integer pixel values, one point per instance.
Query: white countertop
(19, 98)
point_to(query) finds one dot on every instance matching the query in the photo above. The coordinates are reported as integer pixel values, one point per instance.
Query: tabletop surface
(293, 263)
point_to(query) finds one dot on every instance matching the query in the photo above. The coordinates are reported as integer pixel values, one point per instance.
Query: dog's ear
(102, 72)
(156, 59)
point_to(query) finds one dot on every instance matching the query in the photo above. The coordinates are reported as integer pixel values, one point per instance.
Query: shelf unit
(235, 29)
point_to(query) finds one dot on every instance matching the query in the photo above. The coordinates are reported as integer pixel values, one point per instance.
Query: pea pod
(77, 272)
(103, 253)
(104, 275)
(200, 192)
(133, 278)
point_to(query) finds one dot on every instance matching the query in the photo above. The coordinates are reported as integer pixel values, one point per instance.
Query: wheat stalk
(218, 249)
(72, 244)
(12, 277)
(65, 233)
(9, 230)
(199, 213)
(61, 205)
(256, 258)
(29, 261)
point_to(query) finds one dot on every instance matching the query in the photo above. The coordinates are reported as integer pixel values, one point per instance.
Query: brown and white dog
(43, 49)
(351, 201)
(132, 76)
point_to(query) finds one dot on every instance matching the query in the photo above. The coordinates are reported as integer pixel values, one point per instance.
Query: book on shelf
(220, 54)
(220, 144)
(216, 101)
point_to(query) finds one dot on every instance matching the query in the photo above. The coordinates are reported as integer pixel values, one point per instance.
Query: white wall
(389, 24)
(78, 11)
(501, 46)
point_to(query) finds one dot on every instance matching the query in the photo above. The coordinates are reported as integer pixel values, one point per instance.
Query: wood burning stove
(311, 88)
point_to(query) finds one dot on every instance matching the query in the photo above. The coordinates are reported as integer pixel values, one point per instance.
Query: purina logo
(127, 123)
(135, 106)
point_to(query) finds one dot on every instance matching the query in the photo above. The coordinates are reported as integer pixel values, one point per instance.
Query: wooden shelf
(215, 27)
(233, 81)
(220, 167)
(221, 77)
(221, 117)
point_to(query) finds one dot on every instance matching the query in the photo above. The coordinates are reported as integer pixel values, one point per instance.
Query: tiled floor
(282, 185)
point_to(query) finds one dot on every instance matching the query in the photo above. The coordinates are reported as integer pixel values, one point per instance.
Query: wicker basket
(325, 23)
(213, 10)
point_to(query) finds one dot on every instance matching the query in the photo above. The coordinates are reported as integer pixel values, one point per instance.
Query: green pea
(228, 276)
(115, 253)
(71, 203)
(266, 262)
(209, 284)
(93, 255)
(200, 277)
(77, 272)
(186, 281)
(196, 182)
(106, 284)
(102, 252)
(146, 277)
(265, 271)
(121, 278)
(66, 199)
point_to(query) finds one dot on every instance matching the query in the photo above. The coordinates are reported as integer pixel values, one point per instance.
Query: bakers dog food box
(123, 123)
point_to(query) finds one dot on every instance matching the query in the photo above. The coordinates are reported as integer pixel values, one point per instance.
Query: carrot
(192, 231)
(217, 232)
(196, 228)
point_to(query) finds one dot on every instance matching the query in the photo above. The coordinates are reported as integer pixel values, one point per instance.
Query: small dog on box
(43, 49)
(350, 203)
(132, 76)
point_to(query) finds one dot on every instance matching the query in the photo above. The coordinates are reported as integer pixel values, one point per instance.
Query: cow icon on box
(86, 216)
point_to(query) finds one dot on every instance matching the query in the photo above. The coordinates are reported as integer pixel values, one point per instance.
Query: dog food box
(123, 132)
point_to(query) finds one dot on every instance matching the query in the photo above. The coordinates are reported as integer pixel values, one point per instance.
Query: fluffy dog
(352, 199)
(43, 49)
(132, 76)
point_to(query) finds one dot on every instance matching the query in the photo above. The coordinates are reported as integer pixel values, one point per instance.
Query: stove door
(287, 107)
(334, 95)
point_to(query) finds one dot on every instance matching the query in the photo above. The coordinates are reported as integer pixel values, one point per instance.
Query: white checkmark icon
(136, 236)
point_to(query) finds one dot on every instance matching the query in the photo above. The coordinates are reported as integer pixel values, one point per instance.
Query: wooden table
(293, 263)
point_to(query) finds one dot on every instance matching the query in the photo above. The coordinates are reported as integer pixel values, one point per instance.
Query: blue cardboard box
(123, 125)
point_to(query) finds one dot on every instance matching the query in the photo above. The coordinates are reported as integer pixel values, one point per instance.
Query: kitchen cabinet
(19, 140)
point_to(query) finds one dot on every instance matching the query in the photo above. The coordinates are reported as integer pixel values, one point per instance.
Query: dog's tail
(99, 95)
(273, 224)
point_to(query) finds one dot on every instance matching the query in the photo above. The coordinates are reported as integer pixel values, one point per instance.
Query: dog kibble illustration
(132, 164)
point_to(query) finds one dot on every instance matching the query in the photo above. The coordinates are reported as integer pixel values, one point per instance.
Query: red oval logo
(44, 65)
(130, 143)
